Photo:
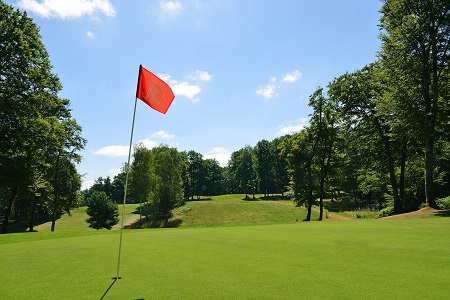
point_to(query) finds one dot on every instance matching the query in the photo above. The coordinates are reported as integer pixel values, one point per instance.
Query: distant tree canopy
(39, 138)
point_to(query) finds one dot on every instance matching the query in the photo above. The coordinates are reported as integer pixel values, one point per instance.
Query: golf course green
(354, 259)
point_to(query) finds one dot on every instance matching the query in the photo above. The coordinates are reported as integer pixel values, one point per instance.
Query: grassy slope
(231, 210)
(370, 259)
(225, 210)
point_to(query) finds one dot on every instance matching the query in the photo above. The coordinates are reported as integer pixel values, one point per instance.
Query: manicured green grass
(357, 259)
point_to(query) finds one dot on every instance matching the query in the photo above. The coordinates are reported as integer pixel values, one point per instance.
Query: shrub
(387, 211)
(443, 203)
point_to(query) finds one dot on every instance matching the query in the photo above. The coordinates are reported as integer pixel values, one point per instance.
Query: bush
(102, 211)
(387, 211)
(443, 203)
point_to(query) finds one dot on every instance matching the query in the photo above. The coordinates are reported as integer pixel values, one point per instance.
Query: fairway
(370, 259)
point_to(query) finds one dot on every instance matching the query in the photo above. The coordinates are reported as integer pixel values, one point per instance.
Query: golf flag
(153, 91)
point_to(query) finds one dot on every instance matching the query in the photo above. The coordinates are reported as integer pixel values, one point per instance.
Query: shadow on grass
(154, 224)
(107, 290)
(443, 213)
(275, 198)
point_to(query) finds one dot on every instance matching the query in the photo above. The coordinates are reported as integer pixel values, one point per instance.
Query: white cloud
(171, 6)
(292, 76)
(149, 143)
(114, 171)
(90, 34)
(164, 135)
(201, 75)
(222, 155)
(185, 89)
(267, 91)
(115, 150)
(87, 184)
(68, 8)
(270, 90)
(292, 127)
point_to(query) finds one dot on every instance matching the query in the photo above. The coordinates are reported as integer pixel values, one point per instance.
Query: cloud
(185, 89)
(270, 90)
(292, 76)
(149, 143)
(87, 184)
(267, 91)
(90, 34)
(222, 155)
(171, 6)
(114, 150)
(164, 135)
(292, 127)
(201, 75)
(69, 9)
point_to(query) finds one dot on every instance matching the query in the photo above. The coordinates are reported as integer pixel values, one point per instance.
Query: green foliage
(386, 212)
(102, 211)
(443, 203)
(36, 126)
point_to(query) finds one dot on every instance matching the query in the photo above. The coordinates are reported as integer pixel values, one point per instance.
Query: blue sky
(241, 70)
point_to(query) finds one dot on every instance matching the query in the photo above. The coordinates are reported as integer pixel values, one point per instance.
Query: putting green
(370, 259)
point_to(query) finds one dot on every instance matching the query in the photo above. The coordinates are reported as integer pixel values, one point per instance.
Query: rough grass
(370, 259)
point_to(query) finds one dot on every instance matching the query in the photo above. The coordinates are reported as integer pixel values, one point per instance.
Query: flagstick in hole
(158, 95)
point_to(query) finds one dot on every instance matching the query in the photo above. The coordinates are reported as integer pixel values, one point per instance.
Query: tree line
(377, 137)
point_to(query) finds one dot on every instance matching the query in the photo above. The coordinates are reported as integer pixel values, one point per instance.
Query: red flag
(153, 91)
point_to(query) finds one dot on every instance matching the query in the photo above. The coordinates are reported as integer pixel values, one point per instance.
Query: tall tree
(415, 49)
(31, 113)
(264, 166)
(196, 173)
(168, 183)
(323, 129)
(358, 94)
(242, 168)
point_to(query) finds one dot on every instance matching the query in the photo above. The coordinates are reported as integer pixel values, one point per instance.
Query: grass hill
(224, 210)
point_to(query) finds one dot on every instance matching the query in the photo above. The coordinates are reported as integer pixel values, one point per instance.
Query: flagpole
(126, 188)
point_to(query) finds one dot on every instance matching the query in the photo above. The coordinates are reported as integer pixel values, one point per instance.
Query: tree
(33, 119)
(103, 213)
(242, 168)
(264, 166)
(323, 129)
(167, 187)
(358, 95)
(280, 166)
(415, 51)
(298, 150)
(196, 173)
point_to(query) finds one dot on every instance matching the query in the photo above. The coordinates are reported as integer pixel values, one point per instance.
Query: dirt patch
(337, 217)
(424, 212)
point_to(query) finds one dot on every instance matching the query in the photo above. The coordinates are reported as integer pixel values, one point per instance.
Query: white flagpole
(126, 187)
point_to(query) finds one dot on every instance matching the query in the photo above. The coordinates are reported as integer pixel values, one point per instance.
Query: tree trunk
(403, 169)
(398, 205)
(33, 212)
(322, 183)
(429, 190)
(8, 209)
